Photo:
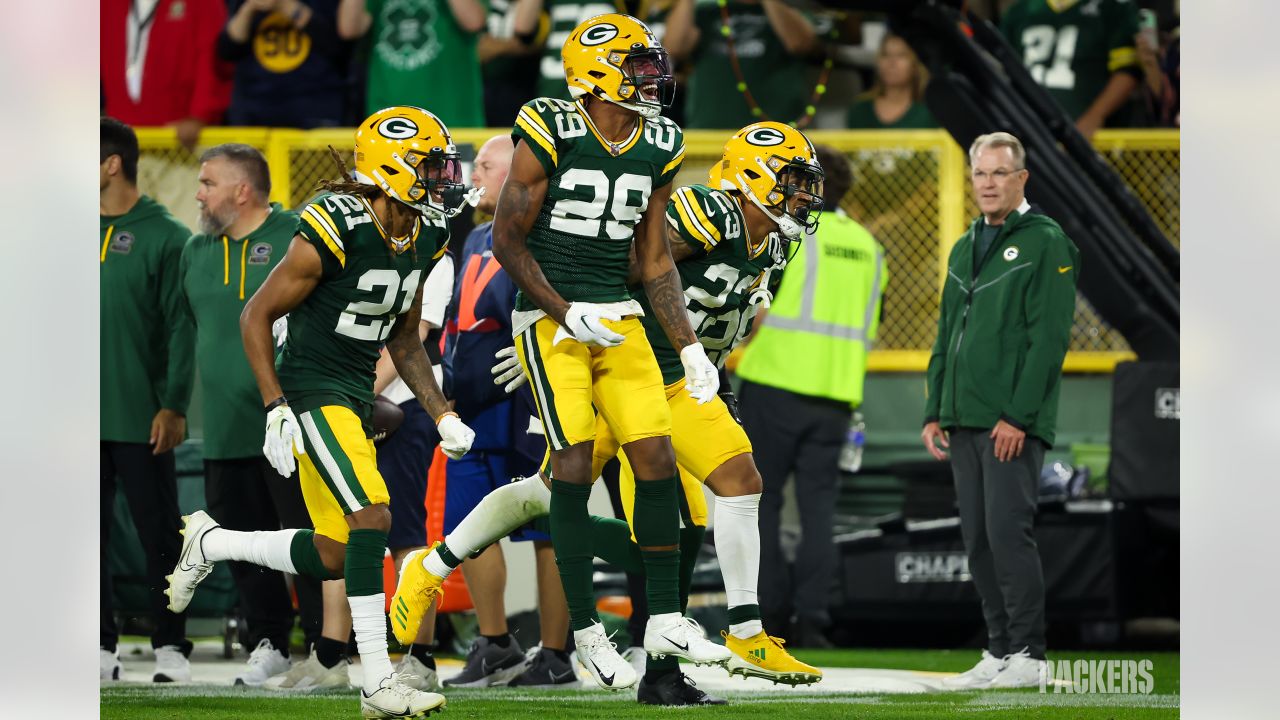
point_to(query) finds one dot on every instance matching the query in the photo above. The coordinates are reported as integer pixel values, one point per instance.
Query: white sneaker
(637, 657)
(310, 675)
(109, 665)
(394, 698)
(1020, 671)
(171, 665)
(600, 657)
(674, 634)
(192, 566)
(977, 677)
(264, 662)
(417, 675)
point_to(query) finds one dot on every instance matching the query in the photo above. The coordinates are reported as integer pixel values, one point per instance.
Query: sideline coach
(993, 380)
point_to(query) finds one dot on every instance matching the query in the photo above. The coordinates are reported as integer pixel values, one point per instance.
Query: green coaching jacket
(1003, 331)
(147, 342)
(220, 274)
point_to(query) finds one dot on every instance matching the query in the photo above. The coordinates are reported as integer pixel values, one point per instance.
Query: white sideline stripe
(313, 433)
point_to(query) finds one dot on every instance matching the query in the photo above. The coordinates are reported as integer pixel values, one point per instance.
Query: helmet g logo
(599, 34)
(765, 137)
(397, 128)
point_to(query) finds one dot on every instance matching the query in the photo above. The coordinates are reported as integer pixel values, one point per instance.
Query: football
(386, 419)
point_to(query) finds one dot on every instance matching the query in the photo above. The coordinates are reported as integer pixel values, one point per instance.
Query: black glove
(726, 394)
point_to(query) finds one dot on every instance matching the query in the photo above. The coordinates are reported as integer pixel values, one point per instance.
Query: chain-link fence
(910, 190)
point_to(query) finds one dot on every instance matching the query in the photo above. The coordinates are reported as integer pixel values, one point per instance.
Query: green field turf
(150, 702)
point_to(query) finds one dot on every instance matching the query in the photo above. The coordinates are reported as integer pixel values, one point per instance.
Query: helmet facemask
(437, 189)
(647, 87)
(795, 202)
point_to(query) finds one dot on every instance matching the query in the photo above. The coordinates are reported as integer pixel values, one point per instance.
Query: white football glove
(284, 435)
(508, 370)
(455, 436)
(582, 323)
(702, 380)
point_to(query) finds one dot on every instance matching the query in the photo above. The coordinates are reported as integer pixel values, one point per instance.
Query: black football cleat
(674, 689)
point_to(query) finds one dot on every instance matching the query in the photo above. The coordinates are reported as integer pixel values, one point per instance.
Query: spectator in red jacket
(159, 66)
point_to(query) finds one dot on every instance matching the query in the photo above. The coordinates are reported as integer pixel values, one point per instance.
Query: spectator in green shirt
(768, 40)
(421, 53)
(896, 99)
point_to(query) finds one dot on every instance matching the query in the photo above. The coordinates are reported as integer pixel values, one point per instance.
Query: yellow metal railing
(910, 190)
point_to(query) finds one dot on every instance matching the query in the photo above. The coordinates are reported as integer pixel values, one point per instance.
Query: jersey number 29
(626, 198)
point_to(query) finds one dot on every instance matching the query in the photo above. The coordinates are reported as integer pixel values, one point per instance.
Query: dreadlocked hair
(361, 190)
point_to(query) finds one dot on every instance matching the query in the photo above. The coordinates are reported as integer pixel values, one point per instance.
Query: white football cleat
(417, 675)
(674, 634)
(395, 698)
(600, 657)
(109, 665)
(171, 665)
(1020, 671)
(309, 675)
(977, 677)
(264, 662)
(192, 566)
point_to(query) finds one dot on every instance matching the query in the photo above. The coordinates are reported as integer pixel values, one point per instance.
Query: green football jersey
(595, 196)
(336, 333)
(1072, 48)
(563, 16)
(724, 280)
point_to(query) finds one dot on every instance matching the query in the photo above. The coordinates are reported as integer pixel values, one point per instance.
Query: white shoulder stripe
(695, 226)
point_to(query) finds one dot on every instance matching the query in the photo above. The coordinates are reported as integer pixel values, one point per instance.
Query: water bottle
(855, 437)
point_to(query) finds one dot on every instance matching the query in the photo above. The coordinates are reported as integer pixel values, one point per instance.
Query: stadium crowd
(328, 63)
(191, 64)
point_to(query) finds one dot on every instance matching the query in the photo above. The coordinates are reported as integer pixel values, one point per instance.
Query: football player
(730, 239)
(586, 179)
(350, 282)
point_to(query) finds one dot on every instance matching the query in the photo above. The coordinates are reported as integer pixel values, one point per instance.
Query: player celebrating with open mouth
(351, 281)
(730, 239)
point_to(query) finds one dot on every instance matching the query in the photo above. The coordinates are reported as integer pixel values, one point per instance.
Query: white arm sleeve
(437, 292)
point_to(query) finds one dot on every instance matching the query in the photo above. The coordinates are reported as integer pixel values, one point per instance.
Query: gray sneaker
(545, 670)
(488, 664)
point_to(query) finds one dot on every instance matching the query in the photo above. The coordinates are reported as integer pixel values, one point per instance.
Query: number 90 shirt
(596, 193)
(336, 333)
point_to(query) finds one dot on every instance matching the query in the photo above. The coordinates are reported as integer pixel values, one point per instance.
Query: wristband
(276, 403)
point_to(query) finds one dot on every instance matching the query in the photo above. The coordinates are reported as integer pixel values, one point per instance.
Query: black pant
(997, 515)
(152, 493)
(247, 494)
(798, 434)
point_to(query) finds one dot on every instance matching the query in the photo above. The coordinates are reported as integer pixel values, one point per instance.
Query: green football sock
(612, 540)
(656, 519)
(365, 550)
(305, 557)
(690, 543)
(571, 538)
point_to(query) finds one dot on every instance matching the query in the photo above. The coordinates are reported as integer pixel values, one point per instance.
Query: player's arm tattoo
(658, 271)
(518, 206)
(666, 297)
(412, 363)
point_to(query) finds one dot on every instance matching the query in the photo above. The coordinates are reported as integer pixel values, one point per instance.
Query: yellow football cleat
(763, 656)
(415, 592)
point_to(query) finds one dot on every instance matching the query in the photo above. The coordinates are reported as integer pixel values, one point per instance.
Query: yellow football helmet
(408, 153)
(616, 58)
(774, 165)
